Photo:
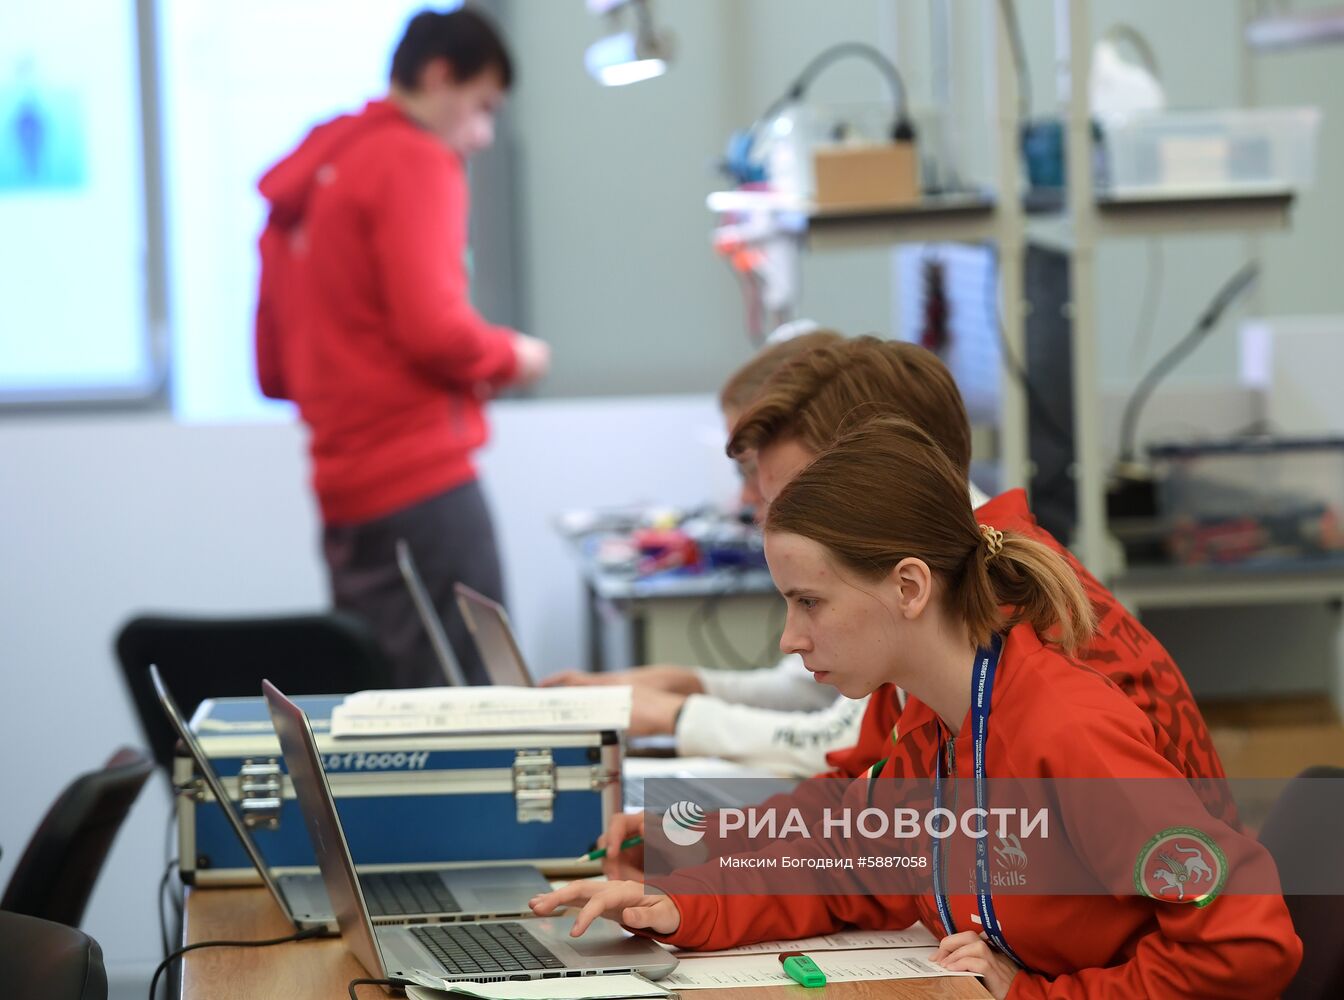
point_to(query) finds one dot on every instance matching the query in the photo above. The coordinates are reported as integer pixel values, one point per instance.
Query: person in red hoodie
(363, 320)
(890, 578)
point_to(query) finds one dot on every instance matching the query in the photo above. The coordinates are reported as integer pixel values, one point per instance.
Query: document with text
(429, 711)
(915, 936)
(722, 971)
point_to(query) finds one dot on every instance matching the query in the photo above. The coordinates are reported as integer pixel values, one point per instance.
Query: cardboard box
(871, 176)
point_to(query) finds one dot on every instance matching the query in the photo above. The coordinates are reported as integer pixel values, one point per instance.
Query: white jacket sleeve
(792, 743)
(786, 687)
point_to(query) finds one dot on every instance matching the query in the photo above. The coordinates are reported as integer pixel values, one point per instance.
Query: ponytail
(1032, 581)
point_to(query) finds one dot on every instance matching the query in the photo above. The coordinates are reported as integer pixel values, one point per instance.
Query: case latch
(534, 786)
(260, 798)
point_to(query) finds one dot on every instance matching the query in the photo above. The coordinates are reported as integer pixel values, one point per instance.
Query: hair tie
(993, 540)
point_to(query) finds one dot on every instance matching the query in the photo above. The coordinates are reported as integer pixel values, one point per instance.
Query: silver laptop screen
(489, 625)
(429, 615)
(303, 761)
(217, 789)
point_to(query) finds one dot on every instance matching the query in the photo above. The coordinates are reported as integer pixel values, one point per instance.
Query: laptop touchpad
(502, 898)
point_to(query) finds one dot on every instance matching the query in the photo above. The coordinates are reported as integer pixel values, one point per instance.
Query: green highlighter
(802, 969)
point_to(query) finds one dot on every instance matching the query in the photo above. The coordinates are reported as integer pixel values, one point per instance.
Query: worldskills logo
(1010, 864)
(685, 824)
(1013, 861)
(1181, 865)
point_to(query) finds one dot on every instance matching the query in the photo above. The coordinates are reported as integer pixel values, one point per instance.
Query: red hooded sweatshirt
(363, 316)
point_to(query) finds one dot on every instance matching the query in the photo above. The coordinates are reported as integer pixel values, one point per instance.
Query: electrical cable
(1225, 296)
(163, 921)
(304, 935)
(1014, 27)
(355, 983)
(1152, 294)
(168, 862)
(901, 131)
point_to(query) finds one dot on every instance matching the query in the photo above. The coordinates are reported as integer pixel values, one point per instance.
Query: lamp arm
(903, 130)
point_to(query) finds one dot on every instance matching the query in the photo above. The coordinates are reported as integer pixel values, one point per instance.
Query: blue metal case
(404, 801)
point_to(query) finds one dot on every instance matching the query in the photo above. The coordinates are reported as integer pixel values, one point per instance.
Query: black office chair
(202, 658)
(1302, 834)
(55, 876)
(41, 960)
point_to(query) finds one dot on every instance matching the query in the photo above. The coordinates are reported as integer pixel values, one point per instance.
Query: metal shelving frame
(1091, 218)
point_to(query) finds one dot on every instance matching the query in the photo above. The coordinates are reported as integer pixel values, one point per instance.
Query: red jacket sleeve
(420, 239)
(1241, 944)
(723, 906)
(269, 346)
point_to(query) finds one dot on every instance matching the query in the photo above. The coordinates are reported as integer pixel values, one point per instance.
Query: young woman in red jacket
(890, 579)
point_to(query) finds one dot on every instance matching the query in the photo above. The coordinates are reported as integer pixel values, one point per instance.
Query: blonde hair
(885, 491)
(816, 396)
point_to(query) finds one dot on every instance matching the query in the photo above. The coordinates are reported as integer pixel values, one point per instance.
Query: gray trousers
(451, 539)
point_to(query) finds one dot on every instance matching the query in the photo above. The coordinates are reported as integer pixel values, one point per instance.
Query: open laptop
(486, 951)
(489, 625)
(394, 897)
(429, 616)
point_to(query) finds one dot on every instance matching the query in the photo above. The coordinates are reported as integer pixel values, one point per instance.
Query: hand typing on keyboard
(625, 902)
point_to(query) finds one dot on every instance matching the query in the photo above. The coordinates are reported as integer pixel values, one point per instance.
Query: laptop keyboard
(477, 949)
(391, 893)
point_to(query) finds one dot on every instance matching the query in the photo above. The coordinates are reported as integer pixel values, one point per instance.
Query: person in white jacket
(775, 718)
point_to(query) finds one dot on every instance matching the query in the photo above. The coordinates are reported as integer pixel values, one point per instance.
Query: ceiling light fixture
(627, 55)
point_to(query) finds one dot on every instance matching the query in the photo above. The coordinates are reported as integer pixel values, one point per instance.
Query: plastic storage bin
(1173, 153)
(1259, 499)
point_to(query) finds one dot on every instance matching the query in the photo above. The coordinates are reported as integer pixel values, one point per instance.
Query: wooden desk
(322, 969)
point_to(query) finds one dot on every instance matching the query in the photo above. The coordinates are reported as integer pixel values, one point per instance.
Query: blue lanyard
(982, 688)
